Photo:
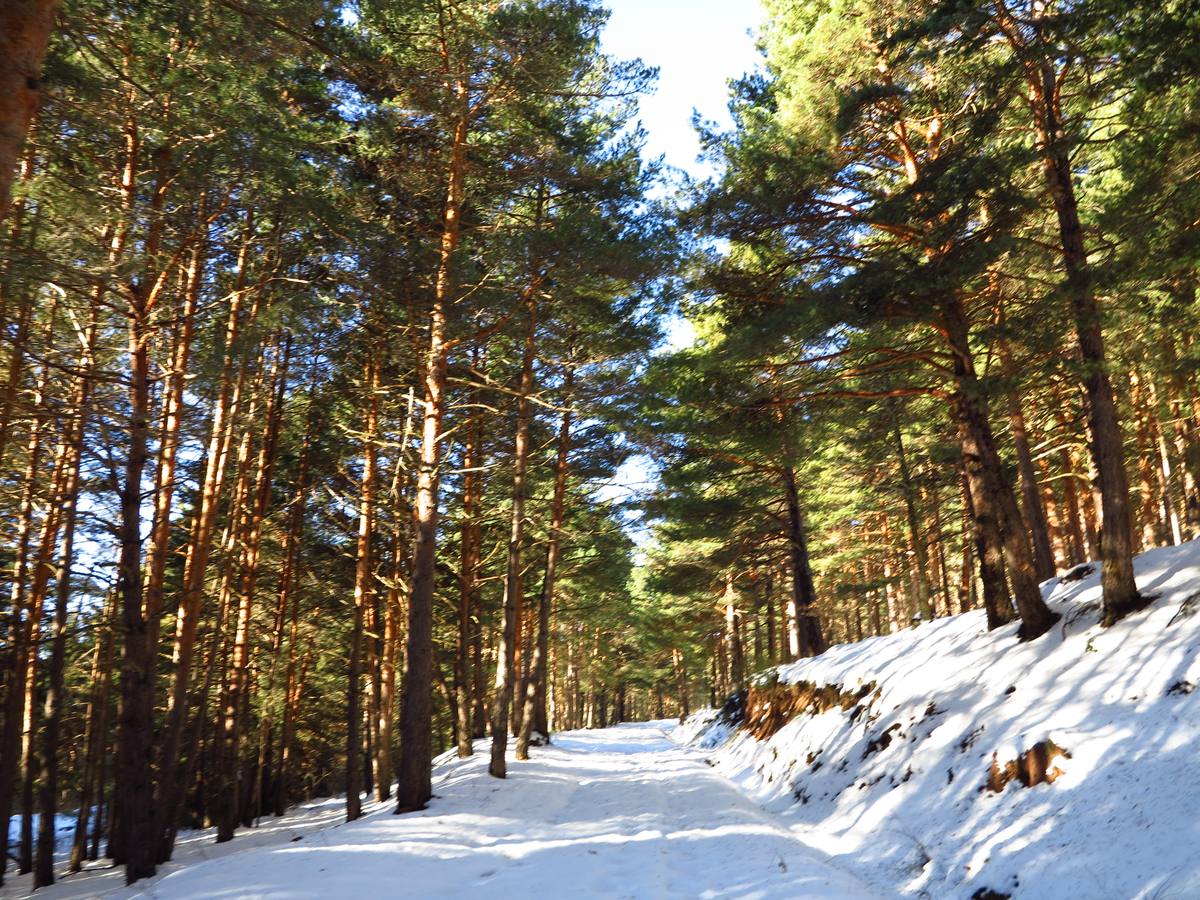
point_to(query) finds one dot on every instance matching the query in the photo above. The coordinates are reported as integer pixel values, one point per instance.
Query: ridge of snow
(1119, 823)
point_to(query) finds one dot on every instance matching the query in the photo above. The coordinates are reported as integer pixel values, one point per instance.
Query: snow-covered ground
(893, 786)
(884, 791)
(618, 813)
(101, 879)
(64, 830)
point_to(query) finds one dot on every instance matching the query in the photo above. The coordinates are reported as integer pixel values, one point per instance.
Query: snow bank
(894, 781)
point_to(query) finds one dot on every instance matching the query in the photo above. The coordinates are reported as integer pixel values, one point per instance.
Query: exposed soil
(769, 707)
(1034, 766)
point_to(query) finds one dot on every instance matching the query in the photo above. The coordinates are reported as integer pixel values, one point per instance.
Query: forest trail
(614, 813)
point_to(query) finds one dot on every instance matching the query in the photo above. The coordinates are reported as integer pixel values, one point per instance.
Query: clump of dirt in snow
(1187, 608)
(881, 743)
(1078, 573)
(1034, 766)
(770, 706)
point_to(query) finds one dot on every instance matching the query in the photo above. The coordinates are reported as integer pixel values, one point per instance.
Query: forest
(331, 332)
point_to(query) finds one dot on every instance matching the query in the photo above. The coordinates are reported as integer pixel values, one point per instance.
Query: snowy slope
(892, 781)
(618, 813)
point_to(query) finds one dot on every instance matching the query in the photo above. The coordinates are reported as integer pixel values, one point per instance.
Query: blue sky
(698, 45)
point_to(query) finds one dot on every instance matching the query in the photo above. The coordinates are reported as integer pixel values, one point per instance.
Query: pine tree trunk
(733, 635)
(1060, 538)
(20, 629)
(990, 492)
(287, 612)
(769, 601)
(249, 537)
(535, 716)
(16, 372)
(68, 503)
(95, 738)
(414, 776)
(1120, 591)
(940, 555)
(968, 537)
(173, 406)
(216, 462)
(25, 27)
(804, 634)
(997, 602)
(1166, 471)
(1031, 501)
(468, 575)
(133, 796)
(1184, 428)
(479, 716)
(22, 315)
(916, 539)
(1074, 511)
(39, 587)
(681, 683)
(296, 681)
(387, 680)
(506, 661)
(364, 586)
(1153, 532)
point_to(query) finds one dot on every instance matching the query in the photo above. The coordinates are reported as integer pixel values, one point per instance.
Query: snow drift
(952, 762)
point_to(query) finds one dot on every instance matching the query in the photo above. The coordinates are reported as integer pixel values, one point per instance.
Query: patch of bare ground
(1034, 766)
(771, 706)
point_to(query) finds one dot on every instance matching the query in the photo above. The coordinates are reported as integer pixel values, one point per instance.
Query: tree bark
(364, 586)
(25, 27)
(1120, 593)
(287, 612)
(20, 629)
(173, 406)
(68, 502)
(43, 567)
(390, 641)
(95, 738)
(804, 633)
(916, 539)
(733, 635)
(997, 602)
(535, 717)
(249, 536)
(200, 542)
(681, 683)
(506, 669)
(994, 503)
(1031, 501)
(133, 796)
(468, 575)
(414, 777)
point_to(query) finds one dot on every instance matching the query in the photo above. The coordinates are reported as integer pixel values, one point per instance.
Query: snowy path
(619, 813)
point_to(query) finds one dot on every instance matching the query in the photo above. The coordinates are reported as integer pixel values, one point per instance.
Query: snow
(824, 808)
(64, 830)
(101, 879)
(616, 813)
(1119, 823)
